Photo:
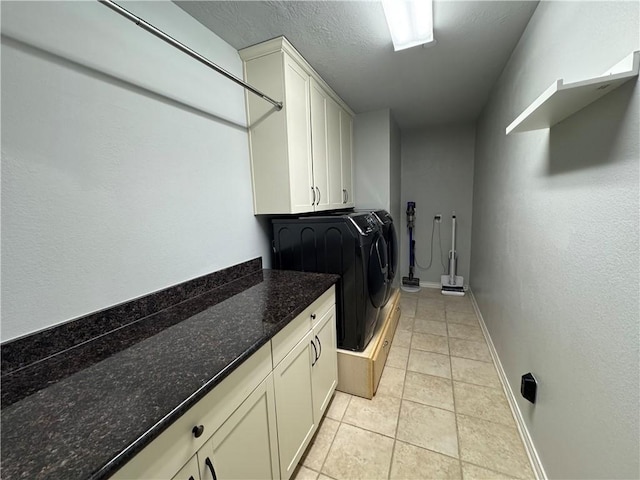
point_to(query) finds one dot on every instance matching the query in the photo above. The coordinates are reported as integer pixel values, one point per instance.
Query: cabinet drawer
(173, 448)
(382, 352)
(290, 335)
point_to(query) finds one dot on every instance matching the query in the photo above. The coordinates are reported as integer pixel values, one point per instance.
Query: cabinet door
(189, 471)
(298, 136)
(324, 373)
(245, 446)
(336, 196)
(347, 157)
(294, 404)
(319, 146)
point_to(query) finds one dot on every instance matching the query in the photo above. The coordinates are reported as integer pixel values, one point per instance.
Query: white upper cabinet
(336, 197)
(319, 150)
(301, 156)
(298, 135)
(346, 134)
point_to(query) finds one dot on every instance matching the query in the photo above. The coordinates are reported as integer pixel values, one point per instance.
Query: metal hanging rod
(183, 48)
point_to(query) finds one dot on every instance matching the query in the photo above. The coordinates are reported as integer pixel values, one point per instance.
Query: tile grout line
(450, 361)
(493, 470)
(452, 387)
(404, 380)
(334, 436)
(402, 400)
(455, 356)
(450, 411)
(393, 452)
(435, 451)
(455, 409)
(329, 450)
(431, 406)
(439, 408)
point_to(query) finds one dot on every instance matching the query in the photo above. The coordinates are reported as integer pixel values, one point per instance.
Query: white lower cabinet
(257, 423)
(304, 383)
(324, 374)
(294, 404)
(189, 471)
(245, 446)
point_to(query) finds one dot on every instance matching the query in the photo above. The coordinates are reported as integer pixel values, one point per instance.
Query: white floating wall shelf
(561, 100)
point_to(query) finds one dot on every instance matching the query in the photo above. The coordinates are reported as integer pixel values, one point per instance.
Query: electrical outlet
(438, 218)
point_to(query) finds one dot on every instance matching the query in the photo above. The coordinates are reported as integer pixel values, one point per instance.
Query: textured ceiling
(349, 45)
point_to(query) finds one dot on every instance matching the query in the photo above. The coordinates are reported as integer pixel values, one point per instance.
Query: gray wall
(371, 140)
(555, 250)
(395, 184)
(125, 164)
(437, 174)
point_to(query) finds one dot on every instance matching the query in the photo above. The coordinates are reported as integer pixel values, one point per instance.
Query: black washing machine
(391, 238)
(351, 245)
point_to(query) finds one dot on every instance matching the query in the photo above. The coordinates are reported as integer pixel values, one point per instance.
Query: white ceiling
(349, 45)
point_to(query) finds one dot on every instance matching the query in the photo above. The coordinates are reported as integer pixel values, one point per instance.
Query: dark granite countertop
(92, 422)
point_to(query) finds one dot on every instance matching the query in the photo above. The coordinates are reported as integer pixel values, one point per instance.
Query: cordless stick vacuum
(412, 283)
(452, 284)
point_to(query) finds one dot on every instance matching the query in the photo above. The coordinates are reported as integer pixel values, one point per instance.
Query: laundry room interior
(270, 230)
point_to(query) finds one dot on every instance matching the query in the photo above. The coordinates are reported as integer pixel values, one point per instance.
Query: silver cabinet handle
(347, 192)
(313, 202)
(319, 196)
(344, 198)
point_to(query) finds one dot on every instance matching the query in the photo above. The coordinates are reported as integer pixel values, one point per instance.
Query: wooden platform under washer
(359, 372)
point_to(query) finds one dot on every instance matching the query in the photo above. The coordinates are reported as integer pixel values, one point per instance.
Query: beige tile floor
(439, 412)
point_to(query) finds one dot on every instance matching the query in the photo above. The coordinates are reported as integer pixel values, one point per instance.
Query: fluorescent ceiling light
(410, 22)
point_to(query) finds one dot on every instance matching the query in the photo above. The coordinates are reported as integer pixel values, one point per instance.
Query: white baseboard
(529, 447)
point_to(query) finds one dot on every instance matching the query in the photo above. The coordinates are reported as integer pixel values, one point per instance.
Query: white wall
(371, 145)
(437, 174)
(125, 165)
(555, 250)
(395, 183)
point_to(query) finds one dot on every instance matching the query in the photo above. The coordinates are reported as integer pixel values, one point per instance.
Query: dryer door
(392, 245)
(377, 271)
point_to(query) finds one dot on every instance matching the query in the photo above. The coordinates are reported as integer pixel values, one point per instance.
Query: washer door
(377, 271)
